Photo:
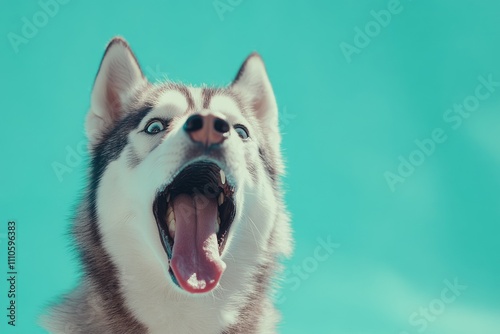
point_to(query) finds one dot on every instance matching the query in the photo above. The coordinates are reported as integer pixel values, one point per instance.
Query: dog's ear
(253, 84)
(119, 75)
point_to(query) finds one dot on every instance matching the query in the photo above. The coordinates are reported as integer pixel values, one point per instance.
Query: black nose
(207, 129)
(221, 125)
(193, 123)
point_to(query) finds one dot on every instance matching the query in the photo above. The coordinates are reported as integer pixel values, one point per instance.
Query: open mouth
(194, 214)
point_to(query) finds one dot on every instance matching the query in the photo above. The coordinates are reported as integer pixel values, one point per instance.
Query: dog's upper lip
(224, 175)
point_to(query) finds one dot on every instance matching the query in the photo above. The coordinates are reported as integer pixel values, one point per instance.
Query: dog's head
(184, 179)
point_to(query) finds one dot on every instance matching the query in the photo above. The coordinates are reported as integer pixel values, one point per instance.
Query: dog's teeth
(171, 227)
(218, 220)
(222, 177)
(168, 198)
(217, 226)
(170, 213)
(171, 219)
(221, 198)
(171, 216)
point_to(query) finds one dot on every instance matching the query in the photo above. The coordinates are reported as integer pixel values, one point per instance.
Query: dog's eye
(242, 131)
(153, 127)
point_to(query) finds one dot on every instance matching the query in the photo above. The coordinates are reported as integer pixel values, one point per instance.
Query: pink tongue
(196, 262)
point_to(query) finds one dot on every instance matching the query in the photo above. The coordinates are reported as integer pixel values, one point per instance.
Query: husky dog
(182, 225)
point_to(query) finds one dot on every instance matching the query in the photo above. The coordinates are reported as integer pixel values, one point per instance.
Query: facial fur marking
(187, 94)
(267, 164)
(133, 158)
(158, 142)
(207, 94)
(252, 169)
(112, 144)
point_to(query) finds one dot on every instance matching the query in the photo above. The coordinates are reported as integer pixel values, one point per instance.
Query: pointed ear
(119, 75)
(253, 84)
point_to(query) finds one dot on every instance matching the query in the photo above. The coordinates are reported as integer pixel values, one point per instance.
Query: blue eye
(242, 131)
(154, 127)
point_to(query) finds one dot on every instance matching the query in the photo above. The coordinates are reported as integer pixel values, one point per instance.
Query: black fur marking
(271, 171)
(252, 169)
(187, 94)
(111, 145)
(103, 304)
(207, 94)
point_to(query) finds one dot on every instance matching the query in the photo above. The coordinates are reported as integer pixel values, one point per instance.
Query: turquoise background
(344, 125)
